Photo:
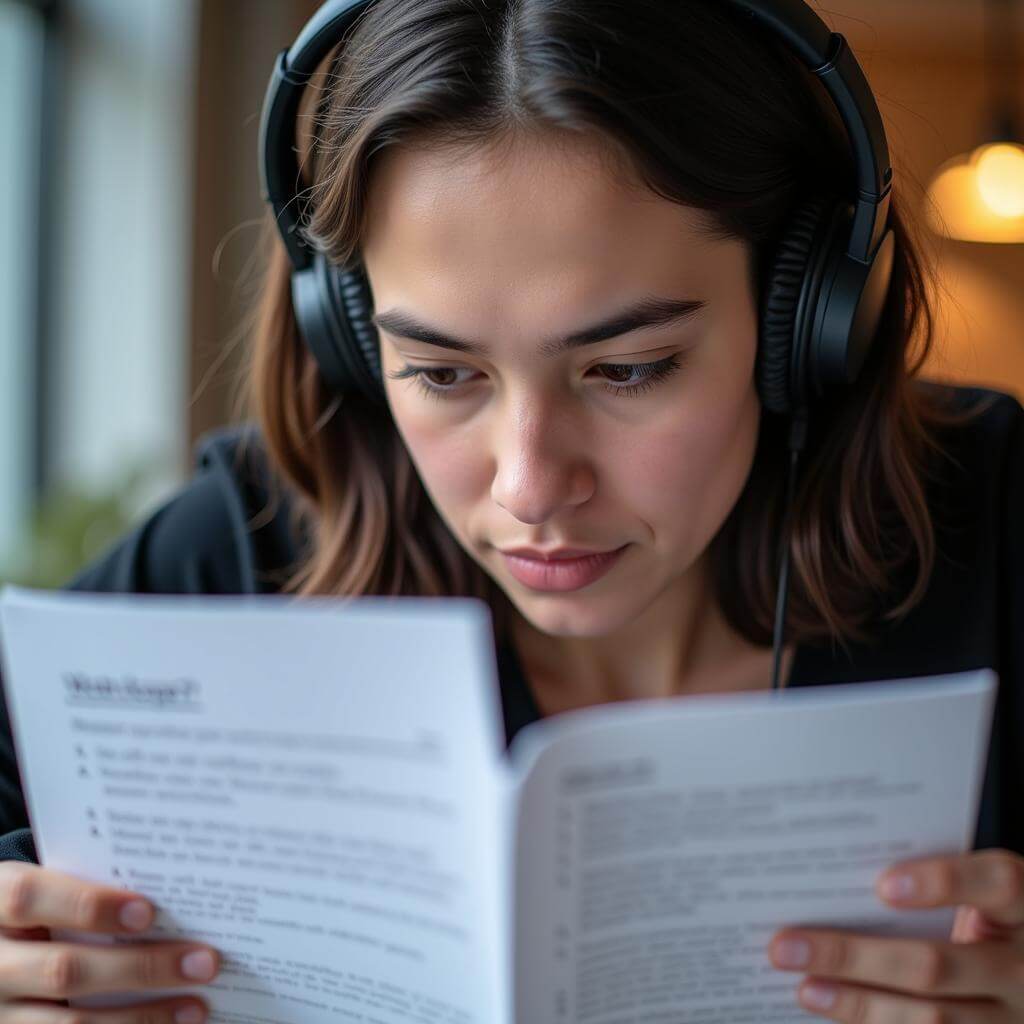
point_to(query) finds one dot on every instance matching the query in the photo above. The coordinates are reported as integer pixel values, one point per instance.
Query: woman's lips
(561, 574)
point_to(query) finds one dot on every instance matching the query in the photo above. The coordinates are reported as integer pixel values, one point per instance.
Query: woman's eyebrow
(648, 312)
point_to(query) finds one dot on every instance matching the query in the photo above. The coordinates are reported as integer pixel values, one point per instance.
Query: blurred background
(127, 267)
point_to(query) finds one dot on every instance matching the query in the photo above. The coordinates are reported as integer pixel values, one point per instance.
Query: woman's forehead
(532, 230)
(544, 195)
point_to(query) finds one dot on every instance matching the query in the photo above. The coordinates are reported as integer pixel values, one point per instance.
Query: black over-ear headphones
(825, 287)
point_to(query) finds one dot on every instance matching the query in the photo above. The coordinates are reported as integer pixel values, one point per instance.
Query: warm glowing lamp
(979, 197)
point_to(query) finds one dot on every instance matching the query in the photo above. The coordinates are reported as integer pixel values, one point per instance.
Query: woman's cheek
(689, 472)
(450, 461)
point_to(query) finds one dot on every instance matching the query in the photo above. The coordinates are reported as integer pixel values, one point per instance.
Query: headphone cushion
(313, 319)
(347, 306)
(779, 391)
(357, 302)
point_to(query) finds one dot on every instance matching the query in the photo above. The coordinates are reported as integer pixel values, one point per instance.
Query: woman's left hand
(975, 978)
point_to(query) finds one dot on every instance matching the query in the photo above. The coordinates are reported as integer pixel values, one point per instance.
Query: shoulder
(974, 491)
(977, 463)
(975, 480)
(985, 416)
(975, 604)
(229, 529)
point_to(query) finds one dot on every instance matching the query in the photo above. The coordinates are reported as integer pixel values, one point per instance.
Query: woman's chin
(570, 615)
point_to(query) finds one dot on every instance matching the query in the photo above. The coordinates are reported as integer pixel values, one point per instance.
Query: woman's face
(641, 440)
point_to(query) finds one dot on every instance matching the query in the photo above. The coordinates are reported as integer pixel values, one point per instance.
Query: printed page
(661, 843)
(305, 785)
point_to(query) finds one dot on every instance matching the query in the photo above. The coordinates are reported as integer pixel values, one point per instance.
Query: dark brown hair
(703, 111)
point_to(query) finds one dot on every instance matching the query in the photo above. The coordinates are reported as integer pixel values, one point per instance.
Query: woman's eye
(426, 378)
(444, 378)
(619, 378)
(632, 378)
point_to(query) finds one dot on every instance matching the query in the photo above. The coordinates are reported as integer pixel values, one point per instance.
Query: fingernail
(135, 914)
(792, 952)
(198, 964)
(819, 995)
(190, 1014)
(898, 887)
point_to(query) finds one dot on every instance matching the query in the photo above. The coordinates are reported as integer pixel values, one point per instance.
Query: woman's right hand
(38, 974)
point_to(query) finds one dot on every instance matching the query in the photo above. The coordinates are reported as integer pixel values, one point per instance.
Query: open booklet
(320, 789)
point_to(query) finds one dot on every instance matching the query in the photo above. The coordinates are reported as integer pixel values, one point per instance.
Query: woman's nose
(541, 468)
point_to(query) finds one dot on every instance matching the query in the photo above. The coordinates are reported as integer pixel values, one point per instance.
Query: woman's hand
(38, 975)
(976, 978)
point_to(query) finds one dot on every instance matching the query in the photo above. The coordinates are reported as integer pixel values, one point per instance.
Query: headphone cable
(797, 440)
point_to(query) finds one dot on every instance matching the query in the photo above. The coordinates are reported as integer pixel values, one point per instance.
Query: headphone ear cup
(313, 318)
(780, 365)
(355, 300)
(333, 309)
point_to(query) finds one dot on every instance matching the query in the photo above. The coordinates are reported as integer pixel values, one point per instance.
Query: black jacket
(212, 538)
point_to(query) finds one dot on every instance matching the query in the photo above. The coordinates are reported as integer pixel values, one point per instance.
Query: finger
(854, 1003)
(965, 925)
(31, 896)
(161, 1011)
(991, 880)
(907, 965)
(58, 970)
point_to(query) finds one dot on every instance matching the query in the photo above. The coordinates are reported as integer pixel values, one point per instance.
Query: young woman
(567, 212)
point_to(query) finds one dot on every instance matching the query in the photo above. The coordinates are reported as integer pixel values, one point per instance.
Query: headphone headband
(824, 52)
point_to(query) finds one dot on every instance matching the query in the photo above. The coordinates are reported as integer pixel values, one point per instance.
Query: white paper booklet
(320, 790)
